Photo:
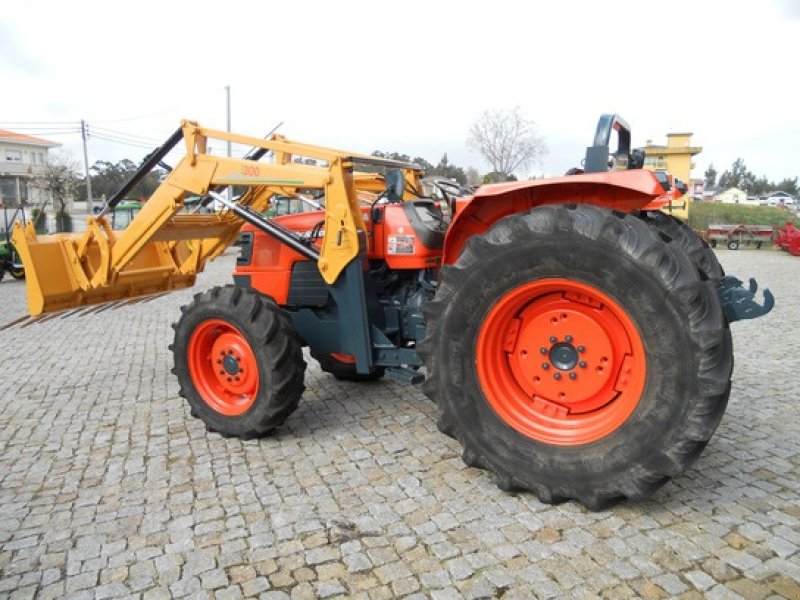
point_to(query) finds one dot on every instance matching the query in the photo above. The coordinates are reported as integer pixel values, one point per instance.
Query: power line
(40, 127)
(48, 133)
(118, 140)
(124, 134)
(48, 123)
(153, 114)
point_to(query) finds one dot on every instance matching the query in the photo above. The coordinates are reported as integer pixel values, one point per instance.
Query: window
(13, 156)
(660, 162)
(9, 187)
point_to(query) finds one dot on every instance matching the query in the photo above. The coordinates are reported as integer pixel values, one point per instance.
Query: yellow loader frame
(163, 249)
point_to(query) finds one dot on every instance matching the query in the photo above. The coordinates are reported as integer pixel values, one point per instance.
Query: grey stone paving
(111, 490)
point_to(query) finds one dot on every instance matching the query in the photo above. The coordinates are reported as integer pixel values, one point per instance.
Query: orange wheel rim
(223, 367)
(560, 362)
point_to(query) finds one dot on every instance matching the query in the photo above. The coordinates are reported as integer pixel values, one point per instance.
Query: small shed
(731, 196)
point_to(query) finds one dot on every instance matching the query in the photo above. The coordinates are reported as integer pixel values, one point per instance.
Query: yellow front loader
(165, 247)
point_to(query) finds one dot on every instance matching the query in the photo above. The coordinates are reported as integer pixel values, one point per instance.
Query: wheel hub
(563, 356)
(231, 364)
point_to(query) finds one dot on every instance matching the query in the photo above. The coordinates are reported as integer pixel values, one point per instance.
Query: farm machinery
(575, 338)
(9, 259)
(788, 238)
(733, 236)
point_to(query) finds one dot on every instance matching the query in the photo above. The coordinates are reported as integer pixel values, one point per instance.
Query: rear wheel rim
(223, 367)
(560, 362)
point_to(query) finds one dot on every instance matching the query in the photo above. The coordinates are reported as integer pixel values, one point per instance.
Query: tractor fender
(620, 190)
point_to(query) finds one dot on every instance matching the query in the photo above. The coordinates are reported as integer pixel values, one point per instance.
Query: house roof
(731, 189)
(21, 138)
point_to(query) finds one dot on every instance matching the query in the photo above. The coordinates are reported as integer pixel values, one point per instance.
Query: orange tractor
(574, 337)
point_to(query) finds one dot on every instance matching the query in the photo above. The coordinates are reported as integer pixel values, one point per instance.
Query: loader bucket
(57, 278)
(160, 251)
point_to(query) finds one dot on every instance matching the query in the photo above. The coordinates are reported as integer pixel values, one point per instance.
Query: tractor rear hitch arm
(740, 303)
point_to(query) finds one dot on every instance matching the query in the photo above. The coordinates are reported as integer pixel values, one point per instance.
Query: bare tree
(507, 140)
(59, 182)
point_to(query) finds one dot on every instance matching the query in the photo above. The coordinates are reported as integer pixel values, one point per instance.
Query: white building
(733, 196)
(21, 156)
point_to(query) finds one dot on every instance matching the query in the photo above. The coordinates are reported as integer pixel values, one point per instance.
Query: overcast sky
(409, 77)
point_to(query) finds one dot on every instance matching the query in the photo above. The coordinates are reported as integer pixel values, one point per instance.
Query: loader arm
(163, 248)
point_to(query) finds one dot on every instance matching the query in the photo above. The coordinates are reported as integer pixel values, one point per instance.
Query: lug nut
(553, 339)
(222, 352)
(581, 349)
(573, 375)
(582, 364)
(222, 372)
(568, 339)
(229, 380)
(545, 366)
(543, 350)
(557, 376)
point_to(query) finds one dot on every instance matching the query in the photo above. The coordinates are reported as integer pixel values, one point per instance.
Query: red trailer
(734, 236)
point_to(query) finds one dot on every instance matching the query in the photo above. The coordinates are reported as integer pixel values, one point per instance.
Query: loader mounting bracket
(740, 303)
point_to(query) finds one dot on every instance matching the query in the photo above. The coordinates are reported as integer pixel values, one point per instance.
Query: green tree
(740, 176)
(789, 186)
(404, 158)
(448, 171)
(710, 176)
(737, 176)
(760, 185)
(506, 140)
(498, 177)
(108, 177)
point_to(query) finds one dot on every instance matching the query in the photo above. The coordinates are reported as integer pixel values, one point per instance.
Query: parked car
(778, 199)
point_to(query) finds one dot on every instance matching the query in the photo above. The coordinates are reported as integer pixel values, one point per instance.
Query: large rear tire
(638, 357)
(699, 252)
(239, 362)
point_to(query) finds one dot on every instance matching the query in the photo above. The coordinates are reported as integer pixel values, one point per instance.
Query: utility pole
(228, 114)
(89, 201)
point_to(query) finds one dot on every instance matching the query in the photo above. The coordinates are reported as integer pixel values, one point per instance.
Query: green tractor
(9, 259)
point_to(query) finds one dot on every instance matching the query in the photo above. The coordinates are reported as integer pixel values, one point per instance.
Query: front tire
(565, 285)
(238, 361)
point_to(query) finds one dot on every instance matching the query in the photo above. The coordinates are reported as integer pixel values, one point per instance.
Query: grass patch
(702, 213)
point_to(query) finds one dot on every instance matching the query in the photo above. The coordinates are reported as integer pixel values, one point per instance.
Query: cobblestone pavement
(110, 488)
